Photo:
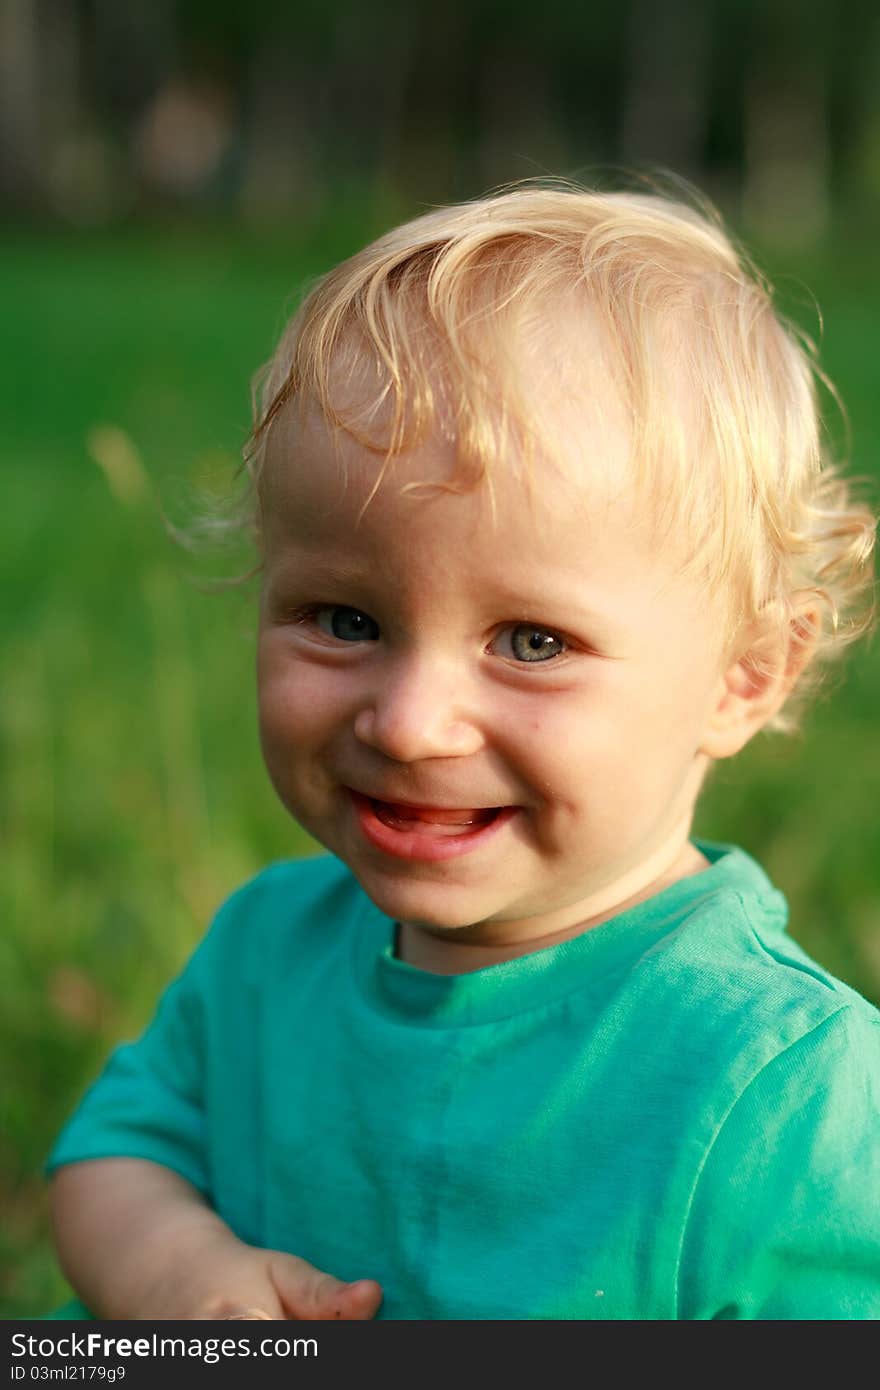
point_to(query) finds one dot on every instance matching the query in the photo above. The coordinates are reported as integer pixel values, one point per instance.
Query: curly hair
(421, 330)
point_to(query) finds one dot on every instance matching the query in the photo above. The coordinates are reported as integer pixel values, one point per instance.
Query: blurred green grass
(133, 798)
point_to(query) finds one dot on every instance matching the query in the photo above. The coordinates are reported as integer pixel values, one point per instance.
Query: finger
(362, 1299)
(309, 1293)
(249, 1315)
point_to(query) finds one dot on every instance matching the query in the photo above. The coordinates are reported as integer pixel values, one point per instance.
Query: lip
(412, 844)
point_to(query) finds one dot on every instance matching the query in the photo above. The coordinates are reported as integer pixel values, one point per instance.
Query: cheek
(618, 744)
(562, 745)
(296, 703)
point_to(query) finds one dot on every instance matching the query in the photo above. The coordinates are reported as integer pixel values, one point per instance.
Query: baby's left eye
(527, 643)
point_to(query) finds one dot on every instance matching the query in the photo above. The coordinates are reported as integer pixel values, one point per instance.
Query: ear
(758, 681)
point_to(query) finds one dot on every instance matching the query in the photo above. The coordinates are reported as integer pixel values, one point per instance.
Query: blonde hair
(426, 315)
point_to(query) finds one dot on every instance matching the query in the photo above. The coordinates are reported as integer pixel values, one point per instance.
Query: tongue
(398, 816)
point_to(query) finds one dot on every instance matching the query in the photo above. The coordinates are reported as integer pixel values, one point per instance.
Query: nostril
(363, 726)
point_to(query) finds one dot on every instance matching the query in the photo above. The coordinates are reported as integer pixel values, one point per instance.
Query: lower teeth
(396, 821)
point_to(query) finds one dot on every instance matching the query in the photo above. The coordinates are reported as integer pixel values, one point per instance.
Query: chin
(425, 904)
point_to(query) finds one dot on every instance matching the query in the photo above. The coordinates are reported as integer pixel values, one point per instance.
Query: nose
(419, 711)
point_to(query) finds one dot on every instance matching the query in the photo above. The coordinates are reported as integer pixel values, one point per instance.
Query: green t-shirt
(673, 1115)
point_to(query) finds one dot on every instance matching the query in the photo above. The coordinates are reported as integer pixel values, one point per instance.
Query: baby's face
(496, 725)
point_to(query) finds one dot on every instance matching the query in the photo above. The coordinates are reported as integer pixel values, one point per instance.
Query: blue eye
(347, 624)
(534, 643)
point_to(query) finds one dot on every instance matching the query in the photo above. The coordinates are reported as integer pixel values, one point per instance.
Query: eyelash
(304, 616)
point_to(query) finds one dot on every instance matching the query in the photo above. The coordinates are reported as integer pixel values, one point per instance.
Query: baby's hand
(231, 1280)
(138, 1241)
(300, 1291)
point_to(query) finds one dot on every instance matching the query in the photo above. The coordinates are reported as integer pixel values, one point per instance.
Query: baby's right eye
(346, 624)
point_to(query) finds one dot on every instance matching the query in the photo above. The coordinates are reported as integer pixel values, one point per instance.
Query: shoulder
(279, 911)
(743, 992)
(289, 884)
(738, 938)
(783, 1220)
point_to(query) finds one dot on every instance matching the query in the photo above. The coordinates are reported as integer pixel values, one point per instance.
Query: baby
(545, 533)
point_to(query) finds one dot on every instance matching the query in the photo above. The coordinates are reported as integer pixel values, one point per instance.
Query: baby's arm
(785, 1221)
(138, 1241)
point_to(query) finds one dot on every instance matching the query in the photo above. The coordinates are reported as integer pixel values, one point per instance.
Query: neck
(459, 951)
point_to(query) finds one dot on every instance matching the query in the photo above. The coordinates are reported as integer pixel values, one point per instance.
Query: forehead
(317, 479)
(542, 408)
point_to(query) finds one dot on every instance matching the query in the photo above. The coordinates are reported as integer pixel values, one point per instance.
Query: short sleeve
(149, 1101)
(785, 1217)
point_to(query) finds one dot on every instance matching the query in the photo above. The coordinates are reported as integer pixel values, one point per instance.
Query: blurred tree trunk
(435, 103)
(521, 135)
(285, 126)
(786, 188)
(62, 94)
(854, 103)
(41, 92)
(134, 49)
(665, 108)
(786, 178)
(20, 143)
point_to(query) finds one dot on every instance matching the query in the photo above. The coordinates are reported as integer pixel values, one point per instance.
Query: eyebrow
(318, 569)
(540, 605)
(541, 597)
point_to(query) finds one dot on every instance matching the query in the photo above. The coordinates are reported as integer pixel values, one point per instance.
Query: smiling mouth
(427, 834)
(416, 819)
